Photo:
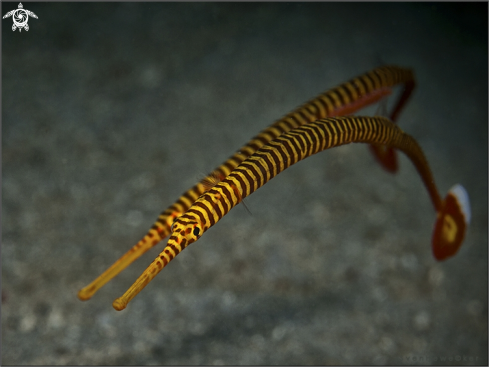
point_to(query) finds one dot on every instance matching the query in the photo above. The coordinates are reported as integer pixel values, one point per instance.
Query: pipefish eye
(196, 231)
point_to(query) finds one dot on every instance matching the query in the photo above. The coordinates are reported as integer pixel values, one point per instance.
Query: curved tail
(451, 223)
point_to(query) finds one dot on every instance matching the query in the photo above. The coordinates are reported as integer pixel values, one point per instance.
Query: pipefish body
(344, 99)
(453, 213)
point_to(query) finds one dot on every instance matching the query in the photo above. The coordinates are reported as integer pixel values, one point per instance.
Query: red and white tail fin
(451, 223)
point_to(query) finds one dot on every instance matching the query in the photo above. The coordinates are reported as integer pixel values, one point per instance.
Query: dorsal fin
(212, 180)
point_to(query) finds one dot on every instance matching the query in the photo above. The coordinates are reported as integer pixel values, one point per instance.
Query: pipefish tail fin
(451, 223)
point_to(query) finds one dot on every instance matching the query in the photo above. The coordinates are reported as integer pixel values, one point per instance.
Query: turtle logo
(20, 17)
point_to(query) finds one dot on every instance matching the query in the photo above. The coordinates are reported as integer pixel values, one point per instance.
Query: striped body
(283, 152)
(342, 100)
(268, 162)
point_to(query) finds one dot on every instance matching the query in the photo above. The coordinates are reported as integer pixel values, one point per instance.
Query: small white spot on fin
(462, 198)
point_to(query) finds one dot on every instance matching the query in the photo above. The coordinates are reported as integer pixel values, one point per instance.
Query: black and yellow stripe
(266, 163)
(342, 100)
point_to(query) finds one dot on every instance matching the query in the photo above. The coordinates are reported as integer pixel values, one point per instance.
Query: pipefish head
(184, 232)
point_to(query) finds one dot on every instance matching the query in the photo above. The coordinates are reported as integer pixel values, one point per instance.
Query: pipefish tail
(342, 100)
(453, 213)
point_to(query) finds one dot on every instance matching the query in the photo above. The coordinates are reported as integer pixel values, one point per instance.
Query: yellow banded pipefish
(453, 213)
(342, 100)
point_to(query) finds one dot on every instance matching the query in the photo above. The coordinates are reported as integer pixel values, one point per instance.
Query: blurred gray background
(112, 110)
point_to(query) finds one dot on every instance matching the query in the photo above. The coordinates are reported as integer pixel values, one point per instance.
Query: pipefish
(344, 99)
(453, 213)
